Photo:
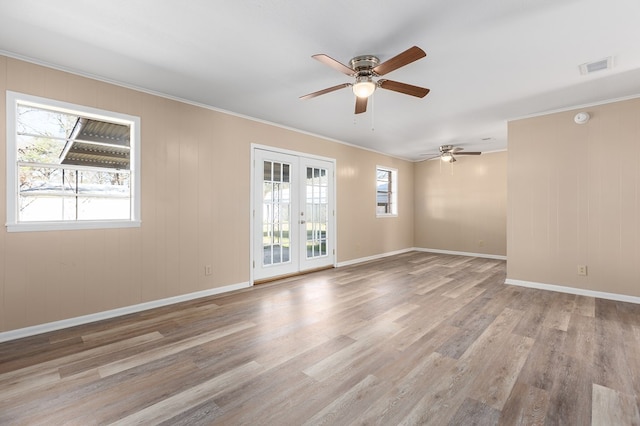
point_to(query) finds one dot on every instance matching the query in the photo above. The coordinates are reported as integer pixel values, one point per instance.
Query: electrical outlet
(480, 243)
(582, 270)
(208, 270)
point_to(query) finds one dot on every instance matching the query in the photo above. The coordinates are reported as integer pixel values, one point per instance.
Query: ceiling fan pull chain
(373, 113)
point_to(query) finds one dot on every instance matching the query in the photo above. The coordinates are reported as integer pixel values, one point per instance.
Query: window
(70, 167)
(386, 191)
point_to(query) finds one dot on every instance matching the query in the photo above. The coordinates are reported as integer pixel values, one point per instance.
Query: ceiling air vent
(591, 67)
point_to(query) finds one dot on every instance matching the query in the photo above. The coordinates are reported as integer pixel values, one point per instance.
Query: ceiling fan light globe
(447, 157)
(364, 88)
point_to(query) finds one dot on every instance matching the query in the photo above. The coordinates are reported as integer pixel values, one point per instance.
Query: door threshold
(294, 274)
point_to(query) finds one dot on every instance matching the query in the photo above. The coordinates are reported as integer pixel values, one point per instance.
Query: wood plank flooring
(416, 338)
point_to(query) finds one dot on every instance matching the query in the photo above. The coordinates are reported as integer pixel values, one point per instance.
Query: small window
(386, 191)
(70, 167)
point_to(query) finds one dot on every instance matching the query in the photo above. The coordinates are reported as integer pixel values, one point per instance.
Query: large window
(70, 167)
(386, 191)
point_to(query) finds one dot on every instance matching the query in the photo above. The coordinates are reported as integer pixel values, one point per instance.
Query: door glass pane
(277, 170)
(267, 171)
(317, 212)
(276, 213)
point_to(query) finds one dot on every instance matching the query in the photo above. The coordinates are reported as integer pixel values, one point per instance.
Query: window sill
(70, 226)
(382, 216)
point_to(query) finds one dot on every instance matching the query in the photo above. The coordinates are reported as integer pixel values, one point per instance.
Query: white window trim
(394, 192)
(12, 224)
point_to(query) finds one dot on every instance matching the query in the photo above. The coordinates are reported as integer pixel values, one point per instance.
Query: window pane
(383, 186)
(40, 208)
(104, 183)
(383, 175)
(266, 234)
(324, 195)
(286, 250)
(267, 171)
(285, 192)
(277, 172)
(284, 213)
(285, 173)
(277, 192)
(45, 180)
(94, 208)
(267, 191)
(38, 121)
(39, 150)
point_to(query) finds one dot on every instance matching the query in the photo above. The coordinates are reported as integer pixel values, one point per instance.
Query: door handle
(302, 222)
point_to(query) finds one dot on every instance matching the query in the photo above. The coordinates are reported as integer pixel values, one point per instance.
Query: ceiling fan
(448, 153)
(364, 68)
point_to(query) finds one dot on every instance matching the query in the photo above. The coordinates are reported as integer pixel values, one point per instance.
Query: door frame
(252, 208)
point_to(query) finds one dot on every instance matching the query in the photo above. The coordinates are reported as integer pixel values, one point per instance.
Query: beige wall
(462, 208)
(200, 218)
(574, 199)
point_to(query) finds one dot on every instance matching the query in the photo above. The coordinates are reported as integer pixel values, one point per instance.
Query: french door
(293, 214)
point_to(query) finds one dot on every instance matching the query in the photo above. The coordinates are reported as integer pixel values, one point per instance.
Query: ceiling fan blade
(327, 90)
(410, 55)
(468, 153)
(407, 89)
(361, 105)
(328, 60)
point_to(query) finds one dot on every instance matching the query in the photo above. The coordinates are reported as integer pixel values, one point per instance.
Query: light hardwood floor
(416, 338)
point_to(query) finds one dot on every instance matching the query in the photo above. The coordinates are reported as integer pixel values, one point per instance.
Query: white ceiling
(487, 61)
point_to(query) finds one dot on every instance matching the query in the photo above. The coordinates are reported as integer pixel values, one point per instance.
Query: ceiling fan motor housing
(363, 65)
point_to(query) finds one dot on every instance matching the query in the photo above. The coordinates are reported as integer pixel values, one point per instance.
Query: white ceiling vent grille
(595, 66)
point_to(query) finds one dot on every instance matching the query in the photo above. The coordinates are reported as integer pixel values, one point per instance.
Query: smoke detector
(581, 117)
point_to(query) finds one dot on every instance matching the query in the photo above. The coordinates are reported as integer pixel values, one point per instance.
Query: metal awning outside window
(97, 143)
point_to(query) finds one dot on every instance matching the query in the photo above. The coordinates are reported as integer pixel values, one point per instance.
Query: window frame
(13, 99)
(393, 191)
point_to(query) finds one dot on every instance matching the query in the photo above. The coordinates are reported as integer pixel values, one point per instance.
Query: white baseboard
(85, 319)
(462, 253)
(393, 253)
(574, 290)
(374, 257)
